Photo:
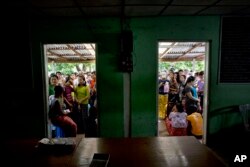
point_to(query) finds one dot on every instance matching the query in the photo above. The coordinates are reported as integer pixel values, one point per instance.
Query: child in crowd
(177, 121)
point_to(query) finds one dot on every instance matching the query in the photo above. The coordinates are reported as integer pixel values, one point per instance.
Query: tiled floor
(162, 131)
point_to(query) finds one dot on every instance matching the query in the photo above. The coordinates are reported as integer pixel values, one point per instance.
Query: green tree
(68, 68)
(199, 65)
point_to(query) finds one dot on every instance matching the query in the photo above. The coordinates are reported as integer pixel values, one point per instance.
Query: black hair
(84, 83)
(201, 73)
(180, 70)
(179, 107)
(58, 72)
(53, 75)
(67, 78)
(58, 90)
(190, 79)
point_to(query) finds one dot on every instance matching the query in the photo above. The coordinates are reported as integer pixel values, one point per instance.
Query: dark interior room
(126, 35)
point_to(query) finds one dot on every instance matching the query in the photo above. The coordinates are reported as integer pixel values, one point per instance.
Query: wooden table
(124, 152)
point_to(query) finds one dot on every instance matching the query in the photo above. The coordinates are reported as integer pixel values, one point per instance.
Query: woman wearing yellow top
(82, 95)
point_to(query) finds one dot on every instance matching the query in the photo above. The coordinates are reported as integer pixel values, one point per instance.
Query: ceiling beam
(70, 61)
(58, 55)
(77, 53)
(188, 51)
(168, 49)
(174, 60)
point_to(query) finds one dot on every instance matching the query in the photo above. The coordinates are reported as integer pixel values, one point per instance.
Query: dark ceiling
(128, 8)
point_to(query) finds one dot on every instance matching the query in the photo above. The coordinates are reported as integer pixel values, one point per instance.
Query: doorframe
(45, 78)
(206, 92)
(45, 91)
(206, 79)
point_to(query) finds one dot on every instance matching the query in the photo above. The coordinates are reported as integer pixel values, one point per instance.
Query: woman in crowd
(58, 114)
(173, 94)
(82, 95)
(192, 101)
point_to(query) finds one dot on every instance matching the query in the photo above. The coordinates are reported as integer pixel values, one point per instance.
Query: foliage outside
(190, 65)
(68, 68)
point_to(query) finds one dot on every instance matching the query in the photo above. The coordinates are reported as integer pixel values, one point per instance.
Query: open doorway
(176, 59)
(64, 64)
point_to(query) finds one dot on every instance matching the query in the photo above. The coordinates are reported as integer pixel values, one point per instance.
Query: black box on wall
(126, 62)
(127, 41)
(126, 58)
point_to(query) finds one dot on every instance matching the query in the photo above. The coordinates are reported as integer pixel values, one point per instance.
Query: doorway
(69, 60)
(192, 58)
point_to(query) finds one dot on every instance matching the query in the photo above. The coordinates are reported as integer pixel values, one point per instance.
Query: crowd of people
(180, 101)
(72, 103)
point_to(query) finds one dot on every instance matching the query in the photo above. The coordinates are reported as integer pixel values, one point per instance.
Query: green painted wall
(223, 99)
(105, 33)
(147, 33)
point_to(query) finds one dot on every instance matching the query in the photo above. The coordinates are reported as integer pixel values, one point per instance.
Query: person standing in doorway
(163, 87)
(192, 101)
(173, 94)
(200, 86)
(82, 95)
